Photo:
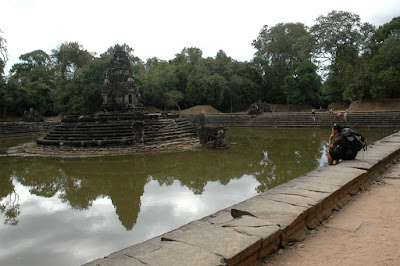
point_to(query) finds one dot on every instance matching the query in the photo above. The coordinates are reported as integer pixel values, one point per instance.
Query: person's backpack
(357, 140)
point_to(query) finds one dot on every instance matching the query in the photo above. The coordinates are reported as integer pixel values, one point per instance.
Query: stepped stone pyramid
(123, 121)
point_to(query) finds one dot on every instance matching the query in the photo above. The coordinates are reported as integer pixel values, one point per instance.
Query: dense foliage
(338, 59)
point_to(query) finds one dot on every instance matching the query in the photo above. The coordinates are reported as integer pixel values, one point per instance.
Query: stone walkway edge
(251, 230)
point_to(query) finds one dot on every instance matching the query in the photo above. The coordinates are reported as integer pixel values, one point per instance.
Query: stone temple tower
(119, 89)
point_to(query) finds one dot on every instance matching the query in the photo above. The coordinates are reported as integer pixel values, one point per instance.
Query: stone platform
(118, 129)
(251, 230)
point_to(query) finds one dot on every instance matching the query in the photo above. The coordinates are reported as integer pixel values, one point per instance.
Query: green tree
(90, 80)
(3, 60)
(385, 31)
(340, 40)
(200, 72)
(184, 64)
(172, 98)
(358, 80)
(278, 49)
(34, 76)
(385, 66)
(69, 58)
(156, 80)
(17, 98)
(303, 84)
(212, 89)
(3, 54)
(243, 87)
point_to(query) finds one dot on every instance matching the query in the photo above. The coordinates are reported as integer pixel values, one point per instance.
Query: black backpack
(357, 140)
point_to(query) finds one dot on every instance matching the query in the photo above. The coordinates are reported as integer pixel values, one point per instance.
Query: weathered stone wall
(301, 119)
(25, 128)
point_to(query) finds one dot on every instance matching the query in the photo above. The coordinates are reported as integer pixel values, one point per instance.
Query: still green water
(71, 211)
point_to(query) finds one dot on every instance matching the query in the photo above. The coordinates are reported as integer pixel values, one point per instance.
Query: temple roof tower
(119, 88)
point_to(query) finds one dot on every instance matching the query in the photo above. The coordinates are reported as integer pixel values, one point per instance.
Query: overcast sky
(162, 28)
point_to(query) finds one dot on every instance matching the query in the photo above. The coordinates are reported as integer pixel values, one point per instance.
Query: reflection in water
(9, 204)
(76, 204)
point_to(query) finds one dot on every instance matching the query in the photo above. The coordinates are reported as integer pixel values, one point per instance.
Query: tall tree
(3, 54)
(303, 84)
(184, 64)
(340, 39)
(3, 61)
(90, 80)
(69, 58)
(157, 79)
(278, 49)
(385, 66)
(34, 76)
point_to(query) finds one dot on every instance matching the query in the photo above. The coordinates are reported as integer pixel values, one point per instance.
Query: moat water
(71, 211)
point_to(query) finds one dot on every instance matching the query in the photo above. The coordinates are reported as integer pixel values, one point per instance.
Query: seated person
(341, 148)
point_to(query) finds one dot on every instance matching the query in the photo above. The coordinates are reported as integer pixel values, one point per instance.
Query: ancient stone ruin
(258, 108)
(119, 89)
(122, 120)
(32, 116)
(211, 136)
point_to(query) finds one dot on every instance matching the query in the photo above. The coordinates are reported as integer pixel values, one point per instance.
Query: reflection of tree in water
(9, 199)
(285, 154)
(271, 156)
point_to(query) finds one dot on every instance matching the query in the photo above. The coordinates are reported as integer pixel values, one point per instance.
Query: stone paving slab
(224, 242)
(157, 252)
(249, 225)
(306, 184)
(250, 230)
(177, 253)
(280, 213)
(248, 221)
(140, 249)
(293, 191)
(120, 261)
(340, 177)
(298, 200)
(220, 217)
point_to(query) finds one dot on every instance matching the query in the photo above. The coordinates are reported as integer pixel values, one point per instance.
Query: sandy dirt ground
(365, 232)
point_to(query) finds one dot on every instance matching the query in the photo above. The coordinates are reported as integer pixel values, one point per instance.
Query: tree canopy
(337, 59)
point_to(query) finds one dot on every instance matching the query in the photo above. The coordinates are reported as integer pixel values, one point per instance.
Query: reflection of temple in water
(126, 200)
(80, 185)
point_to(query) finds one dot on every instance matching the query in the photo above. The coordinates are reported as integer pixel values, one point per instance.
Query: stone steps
(118, 130)
(361, 119)
(83, 143)
(168, 137)
(157, 132)
(87, 137)
(169, 129)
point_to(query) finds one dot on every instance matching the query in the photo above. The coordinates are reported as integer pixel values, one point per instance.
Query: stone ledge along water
(253, 229)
